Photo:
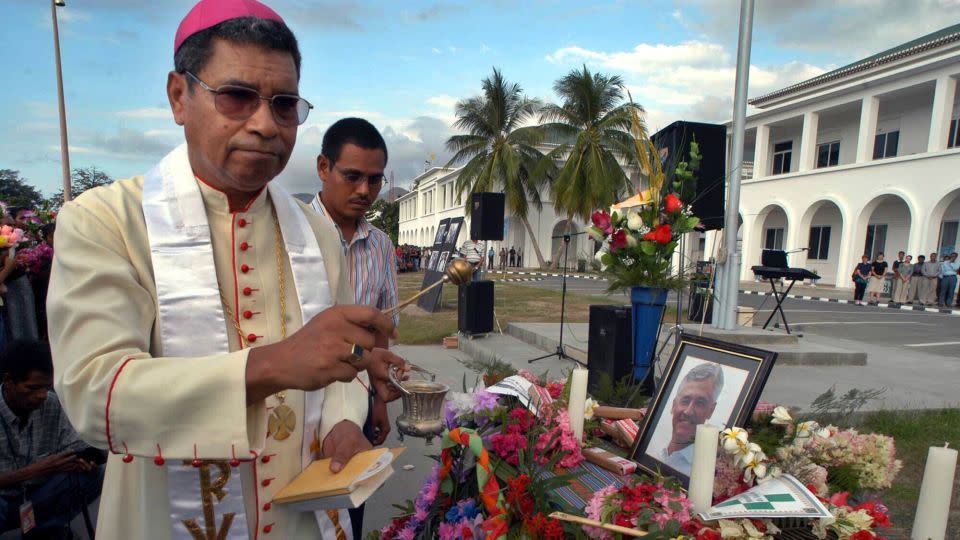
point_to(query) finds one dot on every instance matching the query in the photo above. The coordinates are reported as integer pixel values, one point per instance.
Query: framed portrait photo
(706, 382)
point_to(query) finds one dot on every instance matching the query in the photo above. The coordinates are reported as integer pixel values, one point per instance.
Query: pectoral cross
(208, 490)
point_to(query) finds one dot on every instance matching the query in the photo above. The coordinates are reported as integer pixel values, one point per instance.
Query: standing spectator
(41, 461)
(503, 258)
(878, 274)
(520, 258)
(860, 276)
(916, 280)
(948, 277)
(896, 275)
(20, 303)
(513, 256)
(472, 251)
(490, 254)
(927, 292)
(902, 282)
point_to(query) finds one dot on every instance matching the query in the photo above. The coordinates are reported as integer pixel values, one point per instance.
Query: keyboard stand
(780, 296)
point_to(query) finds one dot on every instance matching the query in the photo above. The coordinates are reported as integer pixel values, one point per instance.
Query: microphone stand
(560, 353)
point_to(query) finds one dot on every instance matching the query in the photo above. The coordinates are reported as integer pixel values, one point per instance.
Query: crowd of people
(924, 282)
(26, 253)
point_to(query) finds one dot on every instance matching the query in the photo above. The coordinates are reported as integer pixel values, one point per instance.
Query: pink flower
(601, 220)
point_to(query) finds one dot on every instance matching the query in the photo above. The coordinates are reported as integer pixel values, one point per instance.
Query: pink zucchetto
(209, 13)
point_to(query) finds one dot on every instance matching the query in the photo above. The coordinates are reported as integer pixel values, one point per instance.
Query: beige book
(316, 488)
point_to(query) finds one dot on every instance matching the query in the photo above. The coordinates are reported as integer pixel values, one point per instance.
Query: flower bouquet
(36, 259)
(498, 464)
(638, 243)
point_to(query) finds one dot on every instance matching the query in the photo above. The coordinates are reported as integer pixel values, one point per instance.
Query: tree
(386, 217)
(594, 117)
(16, 192)
(81, 180)
(499, 153)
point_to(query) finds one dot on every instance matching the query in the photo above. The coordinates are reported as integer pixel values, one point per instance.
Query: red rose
(862, 535)
(672, 203)
(618, 240)
(661, 234)
(708, 534)
(839, 499)
(601, 220)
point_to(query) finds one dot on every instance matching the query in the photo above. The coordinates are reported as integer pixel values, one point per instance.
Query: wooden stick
(563, 516)
(397, 308)
(618, 413)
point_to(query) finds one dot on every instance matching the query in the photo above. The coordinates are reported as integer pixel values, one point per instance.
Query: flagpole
(64, 149)
(731, 274)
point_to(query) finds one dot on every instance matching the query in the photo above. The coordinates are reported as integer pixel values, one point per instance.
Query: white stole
(191, 317)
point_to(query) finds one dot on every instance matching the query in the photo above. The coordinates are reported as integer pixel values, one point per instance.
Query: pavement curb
(551, 274)
(945, 311)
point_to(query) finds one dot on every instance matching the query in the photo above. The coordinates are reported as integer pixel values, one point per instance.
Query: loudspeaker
(475, 307)
(610, 346)
(486, 216)
(673, 142)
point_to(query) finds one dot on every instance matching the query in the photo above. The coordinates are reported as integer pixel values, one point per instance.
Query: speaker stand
(560, 353)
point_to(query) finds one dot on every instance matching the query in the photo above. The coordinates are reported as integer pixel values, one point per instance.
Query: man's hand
(379, 362)
(379, 421)
(343, 442)
(318, 354)
(56, 463)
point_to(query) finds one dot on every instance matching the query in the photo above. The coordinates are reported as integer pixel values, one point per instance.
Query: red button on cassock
(266, 482)
(266, 507)
(242, 222)
(247, 291)
(267, 529)
(244, 268)
(244, 246)
(247, 314)
(265, 459)
(251, 337)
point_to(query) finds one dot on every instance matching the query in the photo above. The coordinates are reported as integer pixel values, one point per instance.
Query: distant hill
(393, 194)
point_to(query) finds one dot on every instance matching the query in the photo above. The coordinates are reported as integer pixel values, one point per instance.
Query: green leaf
(648, 247)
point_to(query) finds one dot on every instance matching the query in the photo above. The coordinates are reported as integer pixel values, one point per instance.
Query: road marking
(861, 322)
(938, 344)
(840, 312)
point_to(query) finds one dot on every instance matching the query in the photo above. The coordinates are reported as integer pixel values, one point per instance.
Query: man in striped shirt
(351, 164)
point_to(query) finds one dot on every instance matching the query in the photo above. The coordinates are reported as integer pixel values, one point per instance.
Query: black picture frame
(745, 367)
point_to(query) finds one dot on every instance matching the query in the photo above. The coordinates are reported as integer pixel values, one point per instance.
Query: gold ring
(356, 354)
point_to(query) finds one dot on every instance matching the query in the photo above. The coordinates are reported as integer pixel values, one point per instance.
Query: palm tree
(593, 122)
(499, 151)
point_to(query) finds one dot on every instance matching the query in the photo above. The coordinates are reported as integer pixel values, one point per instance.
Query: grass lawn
(513, 302)
(915, 432)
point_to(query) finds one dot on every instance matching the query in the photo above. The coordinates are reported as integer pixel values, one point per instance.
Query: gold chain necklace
(282, 420)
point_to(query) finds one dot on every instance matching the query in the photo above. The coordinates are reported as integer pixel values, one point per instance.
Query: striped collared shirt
(372, 261)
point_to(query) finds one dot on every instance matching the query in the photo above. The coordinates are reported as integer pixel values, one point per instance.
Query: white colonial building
(433, 197)
(860, 160)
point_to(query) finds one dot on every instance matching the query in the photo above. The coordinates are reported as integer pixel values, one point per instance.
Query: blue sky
(403, 65)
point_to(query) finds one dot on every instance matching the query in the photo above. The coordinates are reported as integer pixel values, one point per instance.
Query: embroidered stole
(207, 501)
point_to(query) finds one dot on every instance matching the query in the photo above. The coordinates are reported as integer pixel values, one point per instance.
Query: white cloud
(484, 48)
(443, 101)
(453, 50)
(436, 50)
(693, 80)
(147, 113)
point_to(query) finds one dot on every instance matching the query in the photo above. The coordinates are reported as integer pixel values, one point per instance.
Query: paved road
(931, 333)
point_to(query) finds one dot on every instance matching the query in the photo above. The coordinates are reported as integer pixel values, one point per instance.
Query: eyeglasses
(353, 177)
(239, 103)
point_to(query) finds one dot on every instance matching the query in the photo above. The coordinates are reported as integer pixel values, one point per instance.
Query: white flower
(590, 405)
(634, 221)
(631, 240)
(733, 439)
(805, 429)
(756, 467)
(749, 453)
(781, 416)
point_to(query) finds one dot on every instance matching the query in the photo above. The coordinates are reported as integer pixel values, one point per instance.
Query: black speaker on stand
(610, 348)
(674, 144)
(475, 307)
(486, 216)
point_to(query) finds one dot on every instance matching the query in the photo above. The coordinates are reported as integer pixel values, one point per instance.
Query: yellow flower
(590, 405)
(733, 439)
(3, 242)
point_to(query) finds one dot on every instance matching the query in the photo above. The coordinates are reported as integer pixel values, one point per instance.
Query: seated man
(40, 463)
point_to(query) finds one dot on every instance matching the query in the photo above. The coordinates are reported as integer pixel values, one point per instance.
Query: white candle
(578, 401)
(704, 467)
(933, 508)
